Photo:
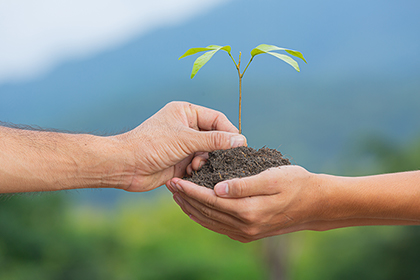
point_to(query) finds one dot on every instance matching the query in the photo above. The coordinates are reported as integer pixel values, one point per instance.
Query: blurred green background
(352, 110)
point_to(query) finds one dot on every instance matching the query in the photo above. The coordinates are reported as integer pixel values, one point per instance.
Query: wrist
(97, 162)
(388, 199)
(113, 166)
(370, 197)
(338, 198)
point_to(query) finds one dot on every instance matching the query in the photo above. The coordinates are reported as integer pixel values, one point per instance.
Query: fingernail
(237, 141)
(179, 188)
(201, 164)
(178, 200)
(221, 189)
(173, 186)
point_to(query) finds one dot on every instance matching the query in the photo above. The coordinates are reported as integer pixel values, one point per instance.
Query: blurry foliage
(380, 252)
(390, 156)
(43, 237)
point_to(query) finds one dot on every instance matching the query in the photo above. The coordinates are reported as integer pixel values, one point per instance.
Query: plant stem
(247, 66)
(240, 104)
(234, 62)
(240, 75)
(240, 93)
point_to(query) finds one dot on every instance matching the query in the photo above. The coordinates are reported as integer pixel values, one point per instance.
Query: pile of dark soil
(236, 163)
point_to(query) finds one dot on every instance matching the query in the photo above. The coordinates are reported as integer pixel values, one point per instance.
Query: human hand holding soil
(139, 160)
(289, 199)
(164, 145)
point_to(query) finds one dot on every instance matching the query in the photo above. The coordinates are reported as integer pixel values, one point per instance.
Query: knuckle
(239, 238)
(218, 140)
(220, 118)
(211, 202)
(251, 231)
(177, 103)
(238, 187)
(206, 212)
(251, 213)
(249, 217)
(172, 104)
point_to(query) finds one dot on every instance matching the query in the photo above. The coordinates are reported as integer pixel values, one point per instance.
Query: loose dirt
(236, 163)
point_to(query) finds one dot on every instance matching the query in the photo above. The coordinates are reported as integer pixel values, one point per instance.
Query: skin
(289, 199)
(139, 160)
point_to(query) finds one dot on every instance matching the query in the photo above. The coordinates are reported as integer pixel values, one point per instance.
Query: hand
(164, 145)
(276, 201)
(288, 198)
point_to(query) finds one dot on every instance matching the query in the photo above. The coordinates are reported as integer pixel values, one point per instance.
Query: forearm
(48, 161)
(377, 200)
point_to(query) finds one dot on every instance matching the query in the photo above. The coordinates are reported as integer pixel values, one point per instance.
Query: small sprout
(261, 49)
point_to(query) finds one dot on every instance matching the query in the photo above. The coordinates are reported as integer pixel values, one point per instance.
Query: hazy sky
(37, 35)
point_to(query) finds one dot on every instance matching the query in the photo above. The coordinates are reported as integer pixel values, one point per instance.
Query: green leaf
(216, 47)
(264, 48)
(200, 61)
(297, 54)
(203, 59)
(286, 59)
(193, 51)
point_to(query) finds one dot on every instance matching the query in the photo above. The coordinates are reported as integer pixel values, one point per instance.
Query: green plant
(261, 49)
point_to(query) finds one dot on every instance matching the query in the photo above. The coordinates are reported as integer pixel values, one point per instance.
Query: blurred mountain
(361, 77)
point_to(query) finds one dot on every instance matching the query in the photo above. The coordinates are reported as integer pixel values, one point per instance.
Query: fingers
(204, 130)
(198, 161)
(198, 117)
(223, 135)
(211, 218)
(243, 219)
(205, 196)
(264, 183)
(235, 236)
(211, 140)
(208, 119)
(181, 168)
(215, 220)
(250, 208)
(246, 210)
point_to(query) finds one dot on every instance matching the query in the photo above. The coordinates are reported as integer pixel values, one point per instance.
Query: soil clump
(236, 163)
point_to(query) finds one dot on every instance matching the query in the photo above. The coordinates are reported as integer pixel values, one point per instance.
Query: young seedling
(261, 49)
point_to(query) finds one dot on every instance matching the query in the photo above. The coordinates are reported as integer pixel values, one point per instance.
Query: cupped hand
(163, 146)
(276, 201)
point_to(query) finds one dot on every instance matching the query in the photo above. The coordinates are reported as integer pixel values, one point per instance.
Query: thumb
(214, 140)
(259, 184)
